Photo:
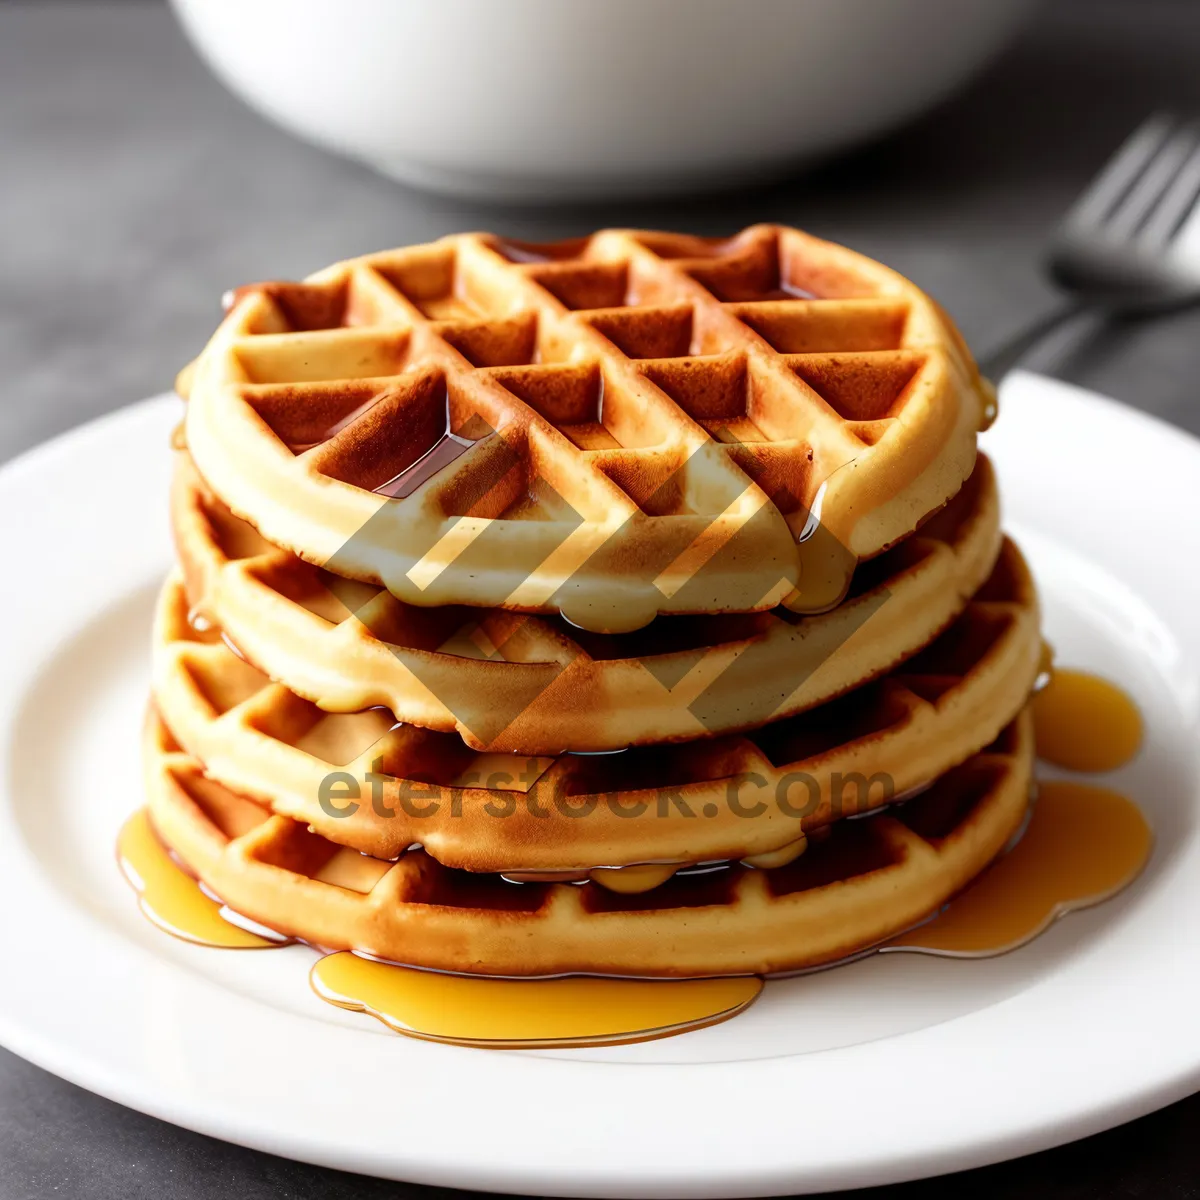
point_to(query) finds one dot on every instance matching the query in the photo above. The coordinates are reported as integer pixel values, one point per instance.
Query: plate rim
(687, 1151)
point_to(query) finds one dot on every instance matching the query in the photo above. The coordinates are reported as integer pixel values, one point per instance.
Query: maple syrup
(1082, 845)
(439, 456)
(334, 428)
(199, 621)
(233, 647)
(1085, 723)
(574, 1010)
(785, 291)
(991, 405)
(1045, 668)
(826, 571)
(826, 566)
(173, 900)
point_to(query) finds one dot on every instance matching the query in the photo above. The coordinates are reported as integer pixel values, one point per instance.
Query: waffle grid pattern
(867, 881)
(697, 801)
(631, 424)
(523, 683)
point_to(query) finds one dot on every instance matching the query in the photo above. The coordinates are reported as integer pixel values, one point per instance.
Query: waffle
(620, 426)
(867, 881)
(527, 684)
(712, 799)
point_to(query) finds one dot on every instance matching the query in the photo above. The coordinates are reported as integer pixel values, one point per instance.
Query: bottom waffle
(866, 881)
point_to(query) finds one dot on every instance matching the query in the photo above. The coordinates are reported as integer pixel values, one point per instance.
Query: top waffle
(614, 427)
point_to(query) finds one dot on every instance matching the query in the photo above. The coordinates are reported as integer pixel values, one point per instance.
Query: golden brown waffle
(534, 685)
(628, 424)
(869, 880)
(719, 798)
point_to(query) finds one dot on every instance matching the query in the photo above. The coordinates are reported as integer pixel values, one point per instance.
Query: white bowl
(549, 99)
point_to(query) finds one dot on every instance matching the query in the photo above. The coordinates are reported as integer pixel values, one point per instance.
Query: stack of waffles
(635, 605)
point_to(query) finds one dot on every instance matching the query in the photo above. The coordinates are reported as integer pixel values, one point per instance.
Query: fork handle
(996, 364)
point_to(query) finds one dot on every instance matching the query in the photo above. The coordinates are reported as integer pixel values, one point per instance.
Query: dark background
(134, 191)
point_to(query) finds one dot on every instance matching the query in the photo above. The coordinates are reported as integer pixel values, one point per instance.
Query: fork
(1130, 246)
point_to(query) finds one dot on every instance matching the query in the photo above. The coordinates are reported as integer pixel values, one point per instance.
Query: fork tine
(1186, 244)
(1177, 201)
(1121, 171)
(1153, 183)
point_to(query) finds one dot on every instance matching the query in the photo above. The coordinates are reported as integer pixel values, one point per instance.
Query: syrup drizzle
(1082, 845)
(826, 566)
(448, 447)
(439, 456)
(332, 430)
(233, 647)
(199, 621)
(787, 291)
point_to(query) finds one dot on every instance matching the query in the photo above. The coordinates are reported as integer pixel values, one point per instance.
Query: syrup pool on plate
(574, 1010)
(1085, 723)
(1081, 845)
(468, 1010)
(172, 899)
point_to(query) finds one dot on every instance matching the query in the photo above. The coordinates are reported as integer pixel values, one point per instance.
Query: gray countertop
(135, 191)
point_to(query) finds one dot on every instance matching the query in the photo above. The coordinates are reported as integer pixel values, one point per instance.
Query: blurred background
(137, 188)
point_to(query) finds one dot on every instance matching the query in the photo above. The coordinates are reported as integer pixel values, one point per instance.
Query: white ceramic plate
(893, 1067)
